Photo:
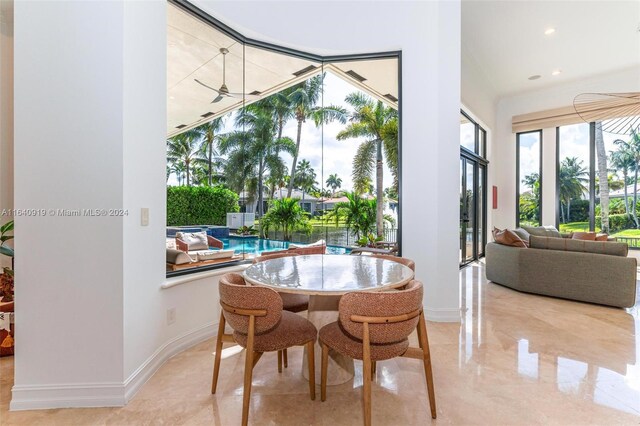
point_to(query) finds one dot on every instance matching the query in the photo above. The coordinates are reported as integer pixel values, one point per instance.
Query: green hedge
(617, 222)
(200, 205)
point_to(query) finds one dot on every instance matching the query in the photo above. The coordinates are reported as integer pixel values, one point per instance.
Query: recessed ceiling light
(549, 31)
(556, 72)
(535, 77)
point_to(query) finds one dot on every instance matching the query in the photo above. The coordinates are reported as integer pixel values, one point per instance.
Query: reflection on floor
(514, 359)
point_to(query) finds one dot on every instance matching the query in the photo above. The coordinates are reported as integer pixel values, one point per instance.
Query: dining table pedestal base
(323, 310)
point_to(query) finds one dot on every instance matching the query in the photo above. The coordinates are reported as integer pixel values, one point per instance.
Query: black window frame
(539, 131)
(476, 135)
(198, 13)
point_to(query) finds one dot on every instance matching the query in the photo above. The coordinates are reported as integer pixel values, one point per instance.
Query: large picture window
(269, 147)
(597, 181)
(529, 178)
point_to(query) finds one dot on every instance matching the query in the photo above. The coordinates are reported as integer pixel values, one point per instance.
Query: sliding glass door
(472, 206)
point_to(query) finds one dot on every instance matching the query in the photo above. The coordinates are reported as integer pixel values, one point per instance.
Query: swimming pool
(256, 246)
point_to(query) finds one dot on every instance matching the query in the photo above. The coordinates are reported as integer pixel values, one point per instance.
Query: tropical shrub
(359, 214)
(617, 222)
(285, 214)
(200, 205)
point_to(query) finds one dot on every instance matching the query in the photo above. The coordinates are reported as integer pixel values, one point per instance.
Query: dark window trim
(395, 54)
(518, 177)
(477, 129)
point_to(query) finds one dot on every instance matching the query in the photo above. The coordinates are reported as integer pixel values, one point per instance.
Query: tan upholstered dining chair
(406, 262)
(259, 325)
(375, 327)
(290, 302)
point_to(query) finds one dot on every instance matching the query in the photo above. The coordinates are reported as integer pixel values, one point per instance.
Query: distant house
(308, 202)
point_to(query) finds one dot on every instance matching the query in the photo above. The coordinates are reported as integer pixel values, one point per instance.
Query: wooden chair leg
(426, 359)
(285, 358)
(248, 372)
(366, 375)
(312, 369)
(216, 363)
(279, 361)
(323, 372)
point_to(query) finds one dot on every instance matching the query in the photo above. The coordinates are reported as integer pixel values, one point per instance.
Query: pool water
(258, 245)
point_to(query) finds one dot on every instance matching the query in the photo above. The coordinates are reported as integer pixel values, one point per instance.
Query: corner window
(268, 146)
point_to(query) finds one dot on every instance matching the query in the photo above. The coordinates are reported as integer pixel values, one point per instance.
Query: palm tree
(334, 182)
(252, 152)
(622, 160)
(378, 124)
(288, 214)
(573, 177)
(633, 149)
(209, 134)
(184, 148)
(358, 213)
(305, 177)
(603, 173)
(303, 100)
(279, 105)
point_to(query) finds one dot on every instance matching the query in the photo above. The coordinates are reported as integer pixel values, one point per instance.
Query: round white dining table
(325, 278)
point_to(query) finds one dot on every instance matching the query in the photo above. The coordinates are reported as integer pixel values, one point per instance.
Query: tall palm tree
(573, 177)
(303, 99)
(622, 161)
(279, 105)
(209, 134)
(305, 177)
(253, 152)
(379, 125)
(334, 182)
(185, 148)
(633, 148)
(603, 174)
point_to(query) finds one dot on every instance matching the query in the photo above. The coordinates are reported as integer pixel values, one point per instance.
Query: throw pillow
(585, 236)
(508, 238)
(543, 231)
(195, 240)
(602, 237)
(523, 234)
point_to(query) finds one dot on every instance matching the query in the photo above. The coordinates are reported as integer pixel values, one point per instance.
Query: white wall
(477, 92)
(68, 155)
(92, 314)
(503, 170)
(6, 113)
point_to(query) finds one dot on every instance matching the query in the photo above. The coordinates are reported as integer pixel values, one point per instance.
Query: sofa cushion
(585, 236)
(566, 244)
(602, 237)
(177, 257)
(195, 240)
(507, 237)
(523, 234)
(543, 231)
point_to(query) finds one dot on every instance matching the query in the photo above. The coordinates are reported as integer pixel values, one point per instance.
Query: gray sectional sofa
(586, 271)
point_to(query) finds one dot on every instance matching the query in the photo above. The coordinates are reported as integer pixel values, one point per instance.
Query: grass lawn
(629, 233)
(574, 227)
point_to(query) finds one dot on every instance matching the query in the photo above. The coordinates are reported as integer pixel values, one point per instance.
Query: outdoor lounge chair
(190, 241)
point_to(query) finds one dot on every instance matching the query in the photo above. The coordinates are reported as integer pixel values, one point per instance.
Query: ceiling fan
(223, 91)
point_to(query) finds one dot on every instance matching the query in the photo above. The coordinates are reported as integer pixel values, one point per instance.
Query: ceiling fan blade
(208, 87)
(217, 99)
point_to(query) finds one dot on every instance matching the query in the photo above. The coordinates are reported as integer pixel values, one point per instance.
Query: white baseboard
(442, 315)
(37, 397)
(139, 377)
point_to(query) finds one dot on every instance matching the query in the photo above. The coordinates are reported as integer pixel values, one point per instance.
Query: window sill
(196, 276)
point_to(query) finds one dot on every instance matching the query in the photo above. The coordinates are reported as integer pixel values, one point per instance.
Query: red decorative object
(495, 197)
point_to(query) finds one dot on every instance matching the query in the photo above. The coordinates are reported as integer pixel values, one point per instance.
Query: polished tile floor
(515, 359)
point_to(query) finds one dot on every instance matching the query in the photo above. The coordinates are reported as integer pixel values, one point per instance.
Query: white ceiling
(193, 53)
(507, 40)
